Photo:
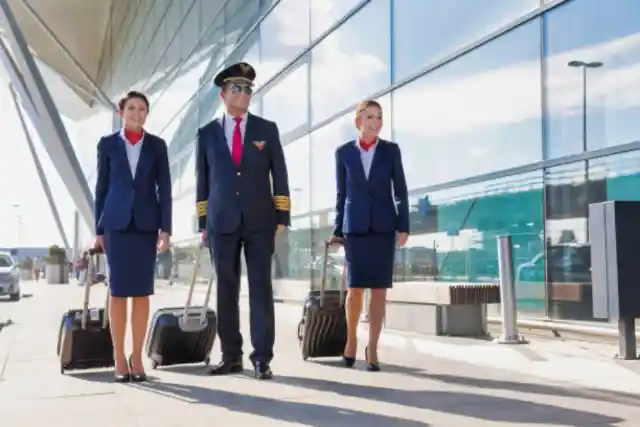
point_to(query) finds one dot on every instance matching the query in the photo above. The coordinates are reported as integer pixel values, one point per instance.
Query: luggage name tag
(94, 314)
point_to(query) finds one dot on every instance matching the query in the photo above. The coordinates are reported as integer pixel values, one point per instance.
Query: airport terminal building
(512, 117)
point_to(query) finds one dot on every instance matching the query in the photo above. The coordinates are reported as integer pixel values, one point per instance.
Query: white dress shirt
(133, 152)
(366, 156)
(230, 127)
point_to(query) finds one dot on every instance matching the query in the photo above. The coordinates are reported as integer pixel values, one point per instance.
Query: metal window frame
(32, 90)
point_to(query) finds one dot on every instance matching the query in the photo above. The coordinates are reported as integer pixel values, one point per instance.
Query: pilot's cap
(238, 73)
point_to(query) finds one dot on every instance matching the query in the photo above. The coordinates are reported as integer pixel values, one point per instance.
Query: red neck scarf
(366, 146)
(133, 136)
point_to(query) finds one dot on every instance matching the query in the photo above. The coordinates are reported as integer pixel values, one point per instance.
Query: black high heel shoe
(348, 361)
(371, 367)
(121, 378)
(139, 377)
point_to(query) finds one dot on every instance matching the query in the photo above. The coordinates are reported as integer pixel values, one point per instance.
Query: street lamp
(585, 66)
(18, 216)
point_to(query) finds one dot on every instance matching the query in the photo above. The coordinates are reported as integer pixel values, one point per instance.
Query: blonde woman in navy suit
(372, 219)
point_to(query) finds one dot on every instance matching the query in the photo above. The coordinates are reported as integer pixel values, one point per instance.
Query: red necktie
(236, 144)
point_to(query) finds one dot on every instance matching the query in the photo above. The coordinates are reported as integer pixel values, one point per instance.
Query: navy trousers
(225, 253)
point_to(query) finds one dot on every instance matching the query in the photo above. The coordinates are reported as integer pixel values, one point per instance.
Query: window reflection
(592, 31)
(287, 102)
(325, 13)
(240, 15)
(453, 235)
(324, 143)
(570, 190)
(428, 30)
(478, 114)
(293, 256)
(352, 62)
(284, 35)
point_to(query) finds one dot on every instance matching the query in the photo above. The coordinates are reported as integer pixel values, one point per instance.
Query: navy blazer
(368, 205)
(120, 198)
(254, 194)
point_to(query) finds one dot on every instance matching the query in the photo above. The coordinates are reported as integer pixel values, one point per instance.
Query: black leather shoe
(371, 367)
(138, 377)
(263, 371)
(226, 367)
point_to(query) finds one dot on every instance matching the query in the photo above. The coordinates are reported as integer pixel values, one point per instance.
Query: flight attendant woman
(133, 223)
(372, 219)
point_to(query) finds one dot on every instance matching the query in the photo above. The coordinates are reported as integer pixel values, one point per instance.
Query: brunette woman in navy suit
(372, 219)
(133, 223)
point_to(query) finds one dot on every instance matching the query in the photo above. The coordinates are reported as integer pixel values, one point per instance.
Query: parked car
(9, 277)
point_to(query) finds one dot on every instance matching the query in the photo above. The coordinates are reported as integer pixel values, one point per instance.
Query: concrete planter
(57, 274)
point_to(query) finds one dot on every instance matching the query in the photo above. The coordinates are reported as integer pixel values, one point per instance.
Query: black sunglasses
(239, 89)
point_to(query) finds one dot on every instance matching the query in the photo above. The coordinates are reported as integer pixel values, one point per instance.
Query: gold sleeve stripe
(282, 203)
(201, 208)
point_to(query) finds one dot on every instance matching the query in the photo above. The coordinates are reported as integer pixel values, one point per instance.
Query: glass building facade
(512, 116)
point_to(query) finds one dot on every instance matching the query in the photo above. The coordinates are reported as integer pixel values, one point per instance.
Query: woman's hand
(335, 240)
(163, 241)
(402, 239)
(99, 243)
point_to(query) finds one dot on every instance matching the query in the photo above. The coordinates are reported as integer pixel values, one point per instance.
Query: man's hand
(99, 243)
(163, 241)
(280, 228)
(402, 239)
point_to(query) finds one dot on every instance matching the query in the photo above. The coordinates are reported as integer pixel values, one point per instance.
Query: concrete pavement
(430, 382)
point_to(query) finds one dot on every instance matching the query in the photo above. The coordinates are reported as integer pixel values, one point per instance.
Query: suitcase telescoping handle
(88, 282)
(186, 322)
(325, 270)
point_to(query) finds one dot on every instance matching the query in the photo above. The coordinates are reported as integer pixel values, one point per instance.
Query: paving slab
(425, 381)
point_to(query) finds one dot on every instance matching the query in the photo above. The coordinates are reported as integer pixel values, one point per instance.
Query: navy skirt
(370, 260)
(131, 255)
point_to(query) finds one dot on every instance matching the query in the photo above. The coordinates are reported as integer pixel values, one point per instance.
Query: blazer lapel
(250, 136)
(121, 150)
(377, 157)
(146, 156)
(356, 161)
(220, 139)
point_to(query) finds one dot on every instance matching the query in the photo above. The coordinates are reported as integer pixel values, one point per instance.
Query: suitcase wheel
(62, 369)
(305, 358)
(154, 365)
(207, 361)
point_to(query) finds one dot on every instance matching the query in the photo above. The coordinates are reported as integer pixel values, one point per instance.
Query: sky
(25, 216)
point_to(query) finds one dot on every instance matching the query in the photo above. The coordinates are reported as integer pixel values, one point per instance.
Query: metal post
(507, 293)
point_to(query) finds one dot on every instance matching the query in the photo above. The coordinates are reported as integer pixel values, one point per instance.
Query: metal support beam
(41, 174)
(102, 97)
(52, 132)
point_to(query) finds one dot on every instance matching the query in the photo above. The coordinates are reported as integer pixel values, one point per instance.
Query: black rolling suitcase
(84, 340)
(183, 335)
(322, 332)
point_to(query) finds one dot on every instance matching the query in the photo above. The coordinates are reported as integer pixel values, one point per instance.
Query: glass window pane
(325, 14)
(428, 30)
(324, 143)
(284, 35)
(569, 191)
(293, 255)
(478, 114)
(453, 235)
(287, 103)
(600, 40)
(351, 63)
(240, 16)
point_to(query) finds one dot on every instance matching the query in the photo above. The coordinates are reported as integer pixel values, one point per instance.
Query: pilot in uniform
(242, 200)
